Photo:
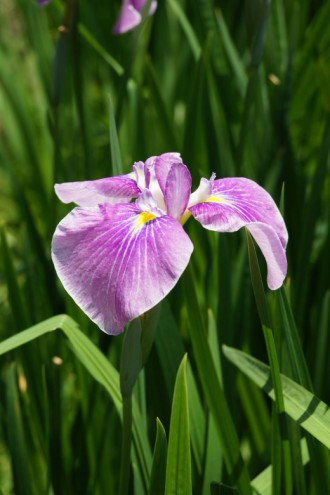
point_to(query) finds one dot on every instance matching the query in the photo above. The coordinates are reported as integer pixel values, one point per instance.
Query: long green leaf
(116, 162)
(262, 484)
(178, 470)
(187, 28)
(280, 443)
(213, 391)
(98, 366)
(158, 468)
(23, 480)
(301, 405)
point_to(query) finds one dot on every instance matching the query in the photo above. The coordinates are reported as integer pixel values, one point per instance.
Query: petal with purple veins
(117, 261)
(91, 193)
(234, 203)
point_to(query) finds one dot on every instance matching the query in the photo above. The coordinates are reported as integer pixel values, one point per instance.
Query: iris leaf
(178, 470)
(116, 162)
(213, 391)
(17, 438)
(262, 484)
(187, 27)
(158, 468)
(301, 405)
(98, 366)
(280, 442)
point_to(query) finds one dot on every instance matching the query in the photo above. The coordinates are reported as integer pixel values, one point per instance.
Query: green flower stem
(125, 461)
(265, 319)
(137, 343)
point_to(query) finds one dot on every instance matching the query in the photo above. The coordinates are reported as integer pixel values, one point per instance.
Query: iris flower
(123, 249)
(130, 15)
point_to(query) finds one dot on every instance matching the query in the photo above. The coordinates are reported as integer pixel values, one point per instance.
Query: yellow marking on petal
(143, 218)
(185, 217)
(216, 199)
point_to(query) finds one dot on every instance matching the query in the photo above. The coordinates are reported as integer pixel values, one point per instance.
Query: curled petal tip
(273, 251)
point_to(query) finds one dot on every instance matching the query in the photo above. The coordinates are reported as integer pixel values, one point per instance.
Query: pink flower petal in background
(130, 15)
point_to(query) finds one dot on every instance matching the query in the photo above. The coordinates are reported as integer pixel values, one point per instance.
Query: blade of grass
(301, 405)
(213, 391)
(310, 215)
(100, 369)
(262, 484)
(116, 161)
(92, 41)
(187, 28)
(322, 344)
(161, 108)
(320, 461)
(15, 296)
(158, 467)
(281, 428)
(234, 60)
(178, 468)
(197, 421)
(23, 481)
(192, 119)
(213, 461)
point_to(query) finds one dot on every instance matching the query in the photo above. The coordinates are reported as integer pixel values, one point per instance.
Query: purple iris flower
(118, 258)
(130, 15)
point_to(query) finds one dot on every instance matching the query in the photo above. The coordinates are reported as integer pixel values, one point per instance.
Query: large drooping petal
(117, 261)
(112, 190)
(130, 15)
(177, 190)
(230, 204)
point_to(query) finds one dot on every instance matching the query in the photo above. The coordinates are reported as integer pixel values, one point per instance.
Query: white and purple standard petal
(226, 205)
(119, 189)
(156, 169)
(117, 261)
(130, 15)
(160, 167)
(177, 190)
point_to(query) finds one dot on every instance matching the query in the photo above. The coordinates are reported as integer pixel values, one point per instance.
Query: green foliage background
(240, 89)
